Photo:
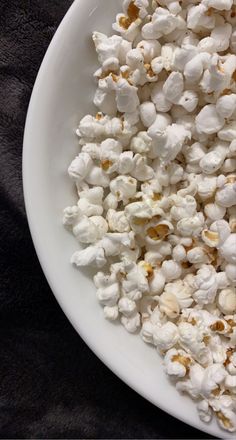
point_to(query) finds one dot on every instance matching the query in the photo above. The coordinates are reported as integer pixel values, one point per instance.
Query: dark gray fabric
(51, 384)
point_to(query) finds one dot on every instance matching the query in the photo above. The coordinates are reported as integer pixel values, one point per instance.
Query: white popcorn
(219, 4)
(92, 255)
(156, 190)
(132, 323)
(147, 113)
(226, 105)
(117, 221)
(80, 167)
(228, 249)
(177, 363)
(142, 171)
(204, 411)
(127, 307)
(188, 100)
(214, 211)
(123, 187)
(157, 282)
(150, 49)
(179, 253)
(225, 412)
(191, 226)
(206, 285)
(184, 207)
(166, 336)
(111, 313)
(71, 215)
(198, 18)
(108, 289)
(90, 201)
(208, 120)
(226, 195)
(230, 270)
(171, 270)
(221, 36)
(197, 255)
(90, 230)
(174, 87)
(207, 187)
(227, 301)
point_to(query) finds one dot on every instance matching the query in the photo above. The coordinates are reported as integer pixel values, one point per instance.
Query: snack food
(156, 183)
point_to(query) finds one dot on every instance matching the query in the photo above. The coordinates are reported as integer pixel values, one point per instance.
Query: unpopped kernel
(156, 185)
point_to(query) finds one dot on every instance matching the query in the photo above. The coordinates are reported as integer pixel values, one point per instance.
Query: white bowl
(62, 95)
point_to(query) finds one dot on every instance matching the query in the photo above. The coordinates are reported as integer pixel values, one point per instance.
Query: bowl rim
(32, 110)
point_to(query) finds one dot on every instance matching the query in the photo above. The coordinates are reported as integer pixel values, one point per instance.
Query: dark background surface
(51, 384)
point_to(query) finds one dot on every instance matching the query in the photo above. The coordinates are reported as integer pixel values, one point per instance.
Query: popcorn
(90, 201)
(221, 36)
(90, 230)
(226, 105)
(171, 270)
(156, 190)
(71, 215)
(206, 285)
(117, 221)
(191, 226)
(127, 307)
(92, 255)
(227, 301)
(147, 113)
(123, 187)
(208, 120)
(111, 313)
(177, 363)
(226, 195)
(80, 167)
(166, 336)
(228, 249)
(131, 324)
(174, 87)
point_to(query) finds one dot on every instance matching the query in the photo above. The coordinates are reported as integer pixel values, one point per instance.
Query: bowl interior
(62, 95)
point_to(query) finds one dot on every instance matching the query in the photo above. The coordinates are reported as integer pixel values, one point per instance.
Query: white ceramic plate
(62, 95)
